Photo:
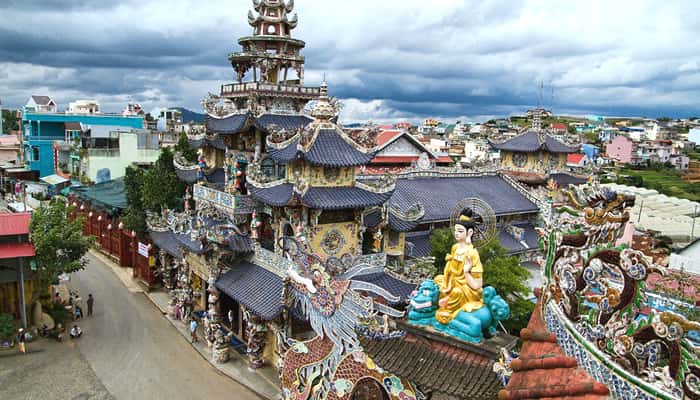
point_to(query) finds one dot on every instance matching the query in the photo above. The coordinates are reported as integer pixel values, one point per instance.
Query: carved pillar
(256, 329)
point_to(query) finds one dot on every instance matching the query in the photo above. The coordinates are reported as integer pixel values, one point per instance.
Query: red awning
(15, 224)
(16, 250)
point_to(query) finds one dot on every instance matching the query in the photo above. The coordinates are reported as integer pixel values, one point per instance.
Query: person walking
(90, 302)
(22, 338)
(193, 330)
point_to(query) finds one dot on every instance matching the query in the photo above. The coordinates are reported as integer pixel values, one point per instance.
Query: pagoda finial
(289, 6)
(323, 110)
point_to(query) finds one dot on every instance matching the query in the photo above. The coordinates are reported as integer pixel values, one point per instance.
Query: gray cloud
(390, 60)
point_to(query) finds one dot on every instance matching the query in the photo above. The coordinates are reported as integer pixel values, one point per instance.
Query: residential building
(41, 129)
(98, 157)
(559, 128)
(84, 107)
(16, 265)
(620, 149)
(607, 134)
(476, 150)
(577, 161)
(9, 149)
(40, 104)
(132, 109)
(694, 136)
(398, 150)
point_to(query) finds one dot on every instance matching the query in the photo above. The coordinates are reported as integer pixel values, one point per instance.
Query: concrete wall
(118, 160)
(620, 149)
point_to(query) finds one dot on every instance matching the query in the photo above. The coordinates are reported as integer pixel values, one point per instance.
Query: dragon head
(425, 299)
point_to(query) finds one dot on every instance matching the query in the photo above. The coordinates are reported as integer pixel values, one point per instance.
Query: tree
(183, 147)
(59, 244)
(501, 271)
(161, 188)
(134, 217)
(9, 121)
(7, 327)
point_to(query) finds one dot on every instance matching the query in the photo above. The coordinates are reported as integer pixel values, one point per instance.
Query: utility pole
(692, 230)
(22, 301)
(641, 207)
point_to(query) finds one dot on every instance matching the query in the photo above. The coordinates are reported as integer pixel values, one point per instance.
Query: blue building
(45, 131)
(590, 151)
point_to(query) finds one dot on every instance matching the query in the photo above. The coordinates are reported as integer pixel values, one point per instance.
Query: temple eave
(263, 38)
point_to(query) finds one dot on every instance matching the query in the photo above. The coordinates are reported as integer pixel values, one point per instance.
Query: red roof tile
(543, 371)
(386, 136)
(15, 250)
(15, 224)
(574, 158)
(558, 126)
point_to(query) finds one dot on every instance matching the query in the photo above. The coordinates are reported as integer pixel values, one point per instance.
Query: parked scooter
(55, 333)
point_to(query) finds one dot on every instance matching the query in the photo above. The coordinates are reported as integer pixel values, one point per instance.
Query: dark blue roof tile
(393, 285)
(227, 126)
(190, 175)
(285, 154)
(340, 198)
(419, 244)
(277, 196)
(286, 122)
(254, 287)
(529, 142)
(373, 218)
(564, 180)
(400, 225)
(330, 149)
(166, 241)
(217, 143)
(240, 244)
(439, 195)
(514, 246)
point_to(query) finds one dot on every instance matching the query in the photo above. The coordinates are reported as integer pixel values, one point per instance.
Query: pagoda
(272, 60)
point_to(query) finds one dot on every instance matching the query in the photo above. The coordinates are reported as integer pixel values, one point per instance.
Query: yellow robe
(462, 297)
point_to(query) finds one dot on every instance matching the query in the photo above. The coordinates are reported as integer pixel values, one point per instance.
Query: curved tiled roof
(285, 154)
(286, 122)
(445, 371)
(190, 175)
(564, 180)
(331, 150)
(395, 286)
(420, 244)
(529, 142)
(217, 143)
(227, 126)
(373, 218)
(277, 196)
(514, 246)
(340, 198)
(439, 195)
(256, 288)
(399, 225)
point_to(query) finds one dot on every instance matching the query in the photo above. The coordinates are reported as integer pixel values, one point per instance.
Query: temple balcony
(227, 202)
(277, 89)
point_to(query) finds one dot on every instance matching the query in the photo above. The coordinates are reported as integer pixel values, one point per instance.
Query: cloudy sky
(388, 60)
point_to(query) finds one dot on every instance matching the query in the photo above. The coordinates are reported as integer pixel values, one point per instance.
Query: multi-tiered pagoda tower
(270, 67)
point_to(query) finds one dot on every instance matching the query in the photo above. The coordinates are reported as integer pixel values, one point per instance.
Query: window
(394, 238)
(268, 167)
(35, 153)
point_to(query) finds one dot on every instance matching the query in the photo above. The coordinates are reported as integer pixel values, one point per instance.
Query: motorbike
(54, 333)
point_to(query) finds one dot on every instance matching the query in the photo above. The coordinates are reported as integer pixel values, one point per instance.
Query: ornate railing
(592, 301)
(545, 208)
(242, 88)
(229, 203)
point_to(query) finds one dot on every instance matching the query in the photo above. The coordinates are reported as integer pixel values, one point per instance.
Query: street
(134, 351)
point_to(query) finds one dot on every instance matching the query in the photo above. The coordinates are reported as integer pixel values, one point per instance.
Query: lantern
(121, 225)
(90, 214)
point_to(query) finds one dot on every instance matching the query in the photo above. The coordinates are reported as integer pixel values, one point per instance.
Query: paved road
(135, 351)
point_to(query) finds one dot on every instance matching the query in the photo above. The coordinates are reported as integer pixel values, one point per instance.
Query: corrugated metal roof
(15, 224)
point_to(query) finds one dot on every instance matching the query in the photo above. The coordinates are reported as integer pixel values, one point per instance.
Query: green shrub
(58, 312)
(7, 327)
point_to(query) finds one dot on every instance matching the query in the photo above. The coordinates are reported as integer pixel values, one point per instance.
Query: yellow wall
(398, 248)
(9, 303)
(533, 162)
(316, 176)
(348, 231)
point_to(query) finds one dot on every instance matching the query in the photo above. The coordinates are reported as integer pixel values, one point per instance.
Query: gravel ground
(51, 370)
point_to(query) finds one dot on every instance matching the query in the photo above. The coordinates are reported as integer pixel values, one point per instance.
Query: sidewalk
(264, 382)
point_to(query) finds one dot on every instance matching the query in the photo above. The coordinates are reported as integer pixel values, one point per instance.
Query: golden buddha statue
(461, 284)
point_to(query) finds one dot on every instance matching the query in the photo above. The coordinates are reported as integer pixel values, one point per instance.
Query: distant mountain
(190, 116)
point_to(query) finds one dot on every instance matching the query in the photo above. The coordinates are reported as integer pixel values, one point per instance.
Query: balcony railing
(227, 202)
(234, 88)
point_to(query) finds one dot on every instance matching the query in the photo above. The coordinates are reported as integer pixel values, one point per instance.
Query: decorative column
(256, 330)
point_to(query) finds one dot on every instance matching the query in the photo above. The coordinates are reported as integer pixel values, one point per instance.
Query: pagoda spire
(272, 18)
(324, 110)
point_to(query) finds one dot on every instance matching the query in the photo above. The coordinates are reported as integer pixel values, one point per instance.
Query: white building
(476, 150)
(40, 104)
(694, 136)
(84, 107)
